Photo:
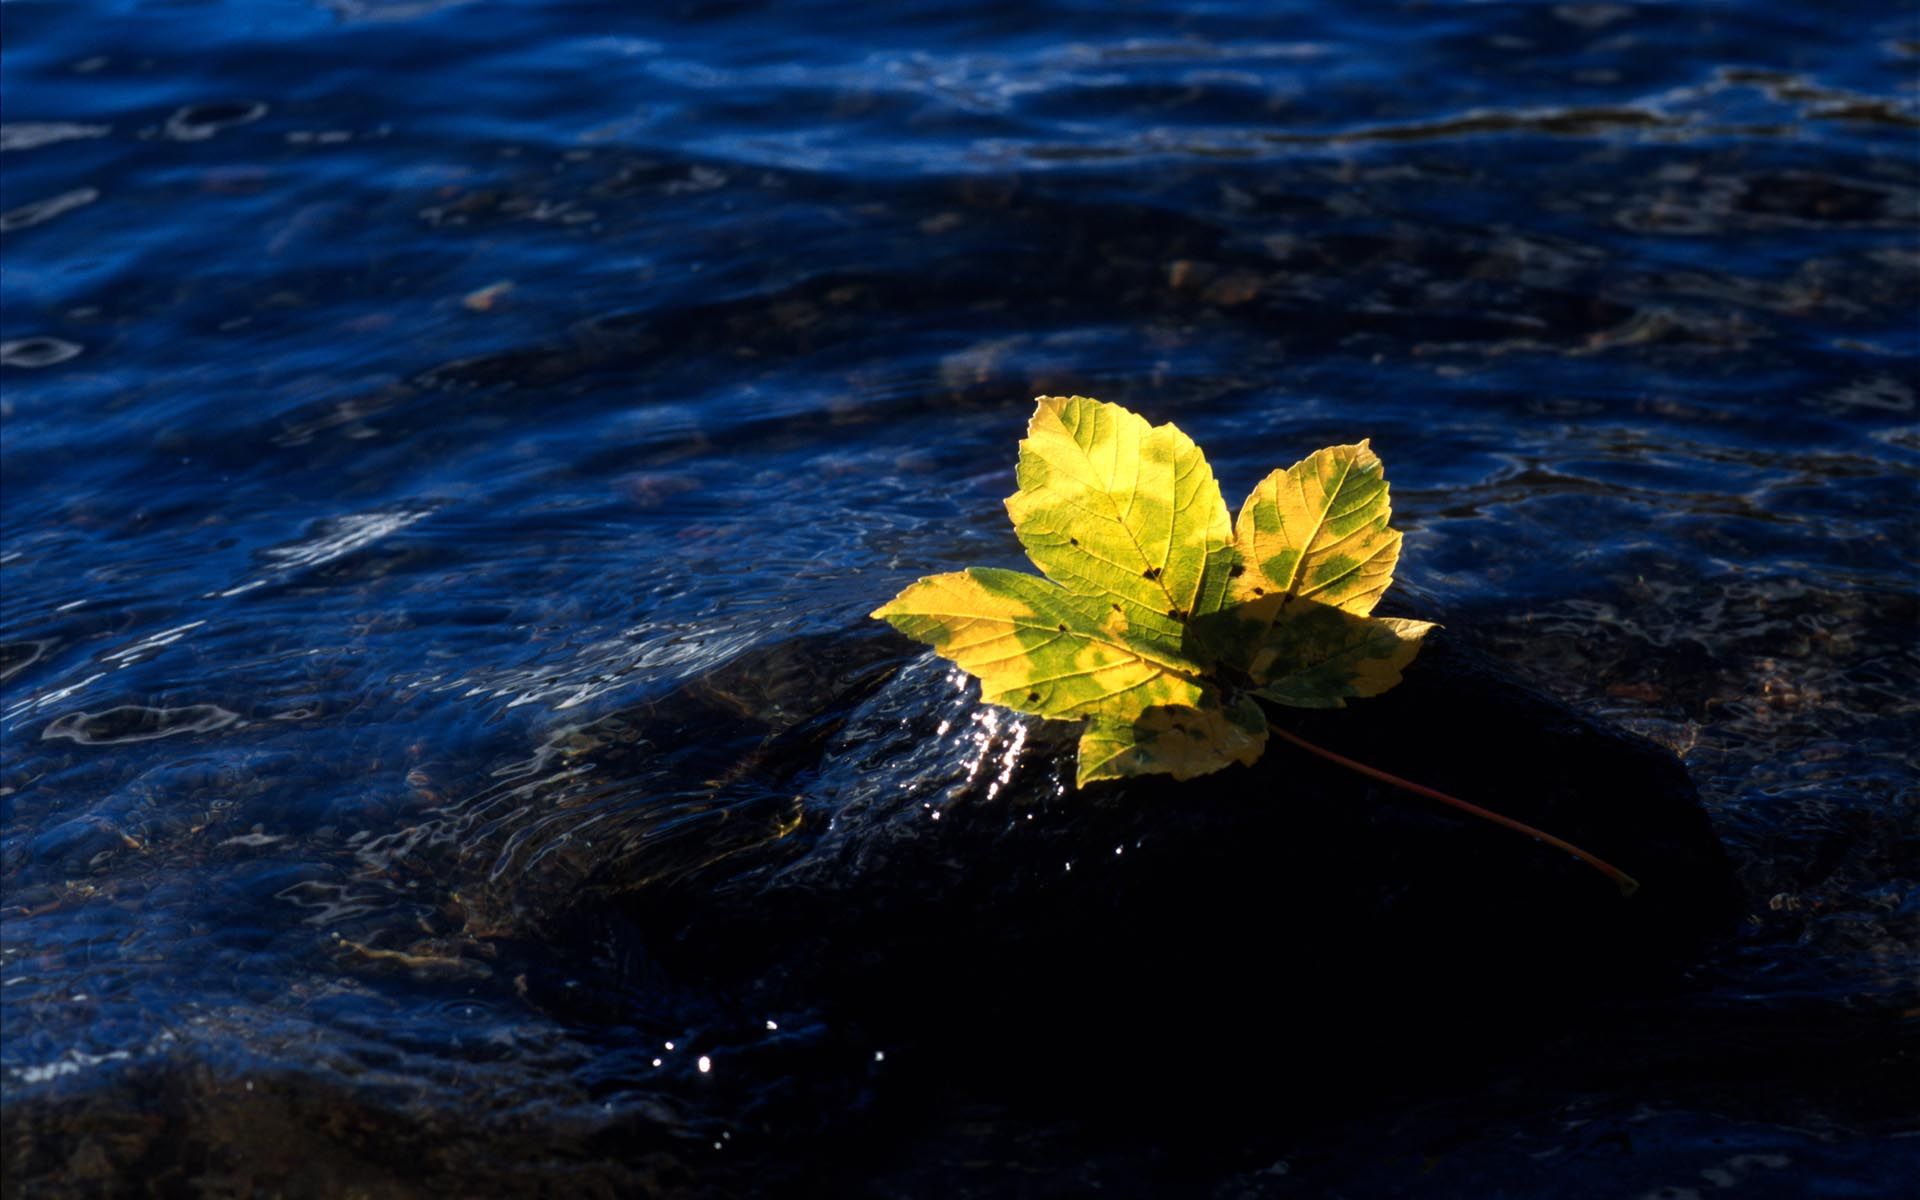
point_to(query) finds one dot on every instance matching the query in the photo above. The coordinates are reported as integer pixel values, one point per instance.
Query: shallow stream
(421, 418)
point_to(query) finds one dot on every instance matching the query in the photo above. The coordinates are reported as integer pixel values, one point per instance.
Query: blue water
(394, 390)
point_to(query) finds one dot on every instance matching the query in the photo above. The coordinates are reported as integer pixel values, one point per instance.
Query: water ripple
(451, 451)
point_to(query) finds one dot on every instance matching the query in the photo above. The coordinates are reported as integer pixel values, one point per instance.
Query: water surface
(399, 397)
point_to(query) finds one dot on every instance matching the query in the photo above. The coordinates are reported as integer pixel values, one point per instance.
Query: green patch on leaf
(1182, 742)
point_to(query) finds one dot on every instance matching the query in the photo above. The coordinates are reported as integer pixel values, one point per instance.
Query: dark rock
(947, 887)
(168, 1127)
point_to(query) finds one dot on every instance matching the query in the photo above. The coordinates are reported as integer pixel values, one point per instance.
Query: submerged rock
(945, 886)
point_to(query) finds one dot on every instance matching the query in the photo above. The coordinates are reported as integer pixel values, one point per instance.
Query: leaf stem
(1625, 882)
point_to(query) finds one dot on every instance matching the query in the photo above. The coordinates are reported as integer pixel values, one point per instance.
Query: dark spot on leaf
(1150, 573)
(1259, 591)
(1062, 628)
(1237, 570)
(1073, 541)
(1033, 697)
(1179, 614)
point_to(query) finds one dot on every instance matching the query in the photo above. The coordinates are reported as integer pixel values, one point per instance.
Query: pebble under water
(450, 451)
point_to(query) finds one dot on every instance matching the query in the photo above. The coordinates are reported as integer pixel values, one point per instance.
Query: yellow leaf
(1318, 530)
(1160, 620)
(1038, 648)
(1111, 506)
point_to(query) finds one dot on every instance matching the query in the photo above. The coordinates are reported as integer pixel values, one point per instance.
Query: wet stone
(945, 886)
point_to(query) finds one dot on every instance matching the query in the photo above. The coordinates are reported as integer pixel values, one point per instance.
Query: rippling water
(422, 418)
